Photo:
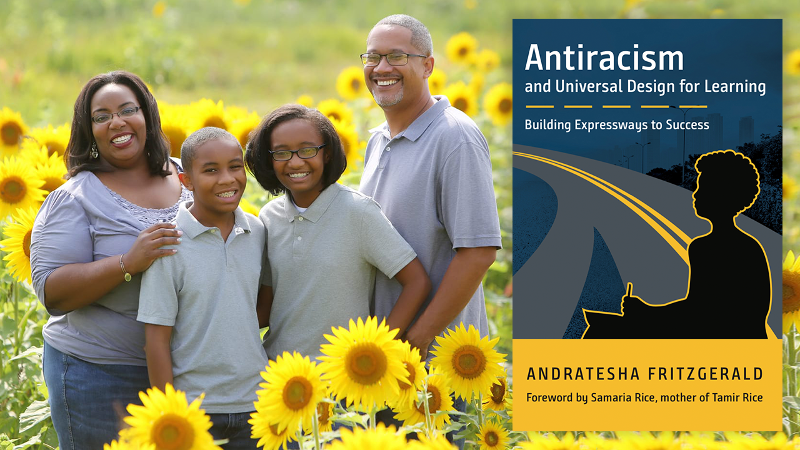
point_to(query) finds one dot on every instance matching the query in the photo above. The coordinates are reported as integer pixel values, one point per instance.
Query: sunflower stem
(17, 335)
(479, 409)
(373, 412)
(315, 427)
(428, 419)
(300, 435)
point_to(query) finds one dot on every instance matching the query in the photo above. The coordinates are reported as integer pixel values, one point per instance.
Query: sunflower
(436, 81)
(206, 113)
(350, 83)
(175, 125)
(158, 9)
(471, 362)
(498, 103)
(791, 283)
(18, 243)
(439, 442)
(52, 172)
(492, 436)
(350, 144)
(412, 361)
(496, 400)
(378, 438)
(335, 110)
(789, 319)
(291, 392)
(550, 442)
(55, 139)
(439, 400)
(268, 436)
(789, 187)
(20, 187)
(12, 129)
(248, 207)
(242, 126)
(363, 363)
(324, 418)
(462, 97)
(125, 445)
(461, 47)
(792, 63)
(486, 60)
(305, 100)
(663, 441)
(168, 422)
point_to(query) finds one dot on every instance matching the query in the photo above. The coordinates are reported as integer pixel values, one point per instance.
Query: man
(428, 167)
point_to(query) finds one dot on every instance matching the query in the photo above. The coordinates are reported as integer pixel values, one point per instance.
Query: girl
(325, 240)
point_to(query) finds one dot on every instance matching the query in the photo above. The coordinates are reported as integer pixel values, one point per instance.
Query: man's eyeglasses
(105, 117)
(394, 59)
(303, 153)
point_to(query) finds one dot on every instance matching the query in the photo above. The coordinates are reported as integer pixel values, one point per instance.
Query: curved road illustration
(645, 222)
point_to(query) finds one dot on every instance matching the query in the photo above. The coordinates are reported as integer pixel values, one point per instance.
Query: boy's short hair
(198, 138)
(259, 160)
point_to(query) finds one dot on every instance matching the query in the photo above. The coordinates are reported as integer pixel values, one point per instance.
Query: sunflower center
(411, 375)
(461, 103)
(498, 391)
(12, 190)
(26, 244)
(505, 105)
(434, 401)
(215, 121)
(297, 393)
(366, 364)
(355, 84)
(324, 413)
(10, 133)
(172, 432)
(492, 438)
(791, 301)
(463, 51)
(469, 361)
(335, 116)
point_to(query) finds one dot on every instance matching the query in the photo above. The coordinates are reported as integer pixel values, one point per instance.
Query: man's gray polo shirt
(434, 183)
(207, 291)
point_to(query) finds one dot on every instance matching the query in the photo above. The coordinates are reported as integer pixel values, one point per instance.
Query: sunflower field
(228, 63)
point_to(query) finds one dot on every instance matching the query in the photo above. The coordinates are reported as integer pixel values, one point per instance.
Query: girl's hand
(148, 247)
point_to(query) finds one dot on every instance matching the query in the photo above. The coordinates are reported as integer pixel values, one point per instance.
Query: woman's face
(302, 177)
(120, 140)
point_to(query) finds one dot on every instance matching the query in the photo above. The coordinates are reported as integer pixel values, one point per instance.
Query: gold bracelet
(127, 276)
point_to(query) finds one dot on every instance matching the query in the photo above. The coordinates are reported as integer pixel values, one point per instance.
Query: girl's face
(302, 177)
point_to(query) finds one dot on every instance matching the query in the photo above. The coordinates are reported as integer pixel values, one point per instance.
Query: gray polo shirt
(207, 292)
(323, 265)
(434, 183)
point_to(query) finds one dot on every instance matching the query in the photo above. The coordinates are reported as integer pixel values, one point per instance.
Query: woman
(91, 240)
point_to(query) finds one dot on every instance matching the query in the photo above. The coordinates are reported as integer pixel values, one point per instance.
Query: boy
(199, 306)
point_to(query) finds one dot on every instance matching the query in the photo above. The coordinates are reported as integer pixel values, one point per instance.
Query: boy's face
(217, 179)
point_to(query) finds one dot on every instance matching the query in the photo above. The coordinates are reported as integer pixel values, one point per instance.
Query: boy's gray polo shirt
(207, 291)
(434, 183)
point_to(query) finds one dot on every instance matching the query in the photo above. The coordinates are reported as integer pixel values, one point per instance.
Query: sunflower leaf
(36, 413)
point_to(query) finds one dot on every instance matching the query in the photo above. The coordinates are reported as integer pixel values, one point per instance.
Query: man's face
(396, 86)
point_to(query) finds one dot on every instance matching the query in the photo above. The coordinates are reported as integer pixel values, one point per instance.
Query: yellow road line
(578, 106)
(606, 186)
(540, 106)
(655, 106)
(692, 106)
(617, 106)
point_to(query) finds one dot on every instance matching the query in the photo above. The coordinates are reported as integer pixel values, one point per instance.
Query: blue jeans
(88, 401)
(235, 429)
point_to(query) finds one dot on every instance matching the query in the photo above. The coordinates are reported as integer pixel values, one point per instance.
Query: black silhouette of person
(729, 290)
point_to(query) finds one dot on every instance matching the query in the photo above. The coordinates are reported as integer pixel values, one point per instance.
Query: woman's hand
(149, 246)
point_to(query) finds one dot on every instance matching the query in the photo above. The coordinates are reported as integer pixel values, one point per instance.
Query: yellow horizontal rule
(658, 384)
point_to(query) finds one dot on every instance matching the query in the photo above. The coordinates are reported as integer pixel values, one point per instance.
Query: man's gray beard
(385, 102)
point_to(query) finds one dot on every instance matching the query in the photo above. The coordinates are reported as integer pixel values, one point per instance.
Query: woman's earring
(94, 154)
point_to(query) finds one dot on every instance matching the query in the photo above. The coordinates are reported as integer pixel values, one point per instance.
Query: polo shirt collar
(420, 124)
(193, 228)
(317, 208)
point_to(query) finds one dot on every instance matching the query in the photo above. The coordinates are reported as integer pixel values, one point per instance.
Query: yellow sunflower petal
(492, 436)
(18, 244)
(378, 438)
(335, 110)
(20, 186)
(791, 283)
(792, 62)
(461, 47)
(462, 97)
(439, 400)
(498, 104)
(350, 83)
(12, 129)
